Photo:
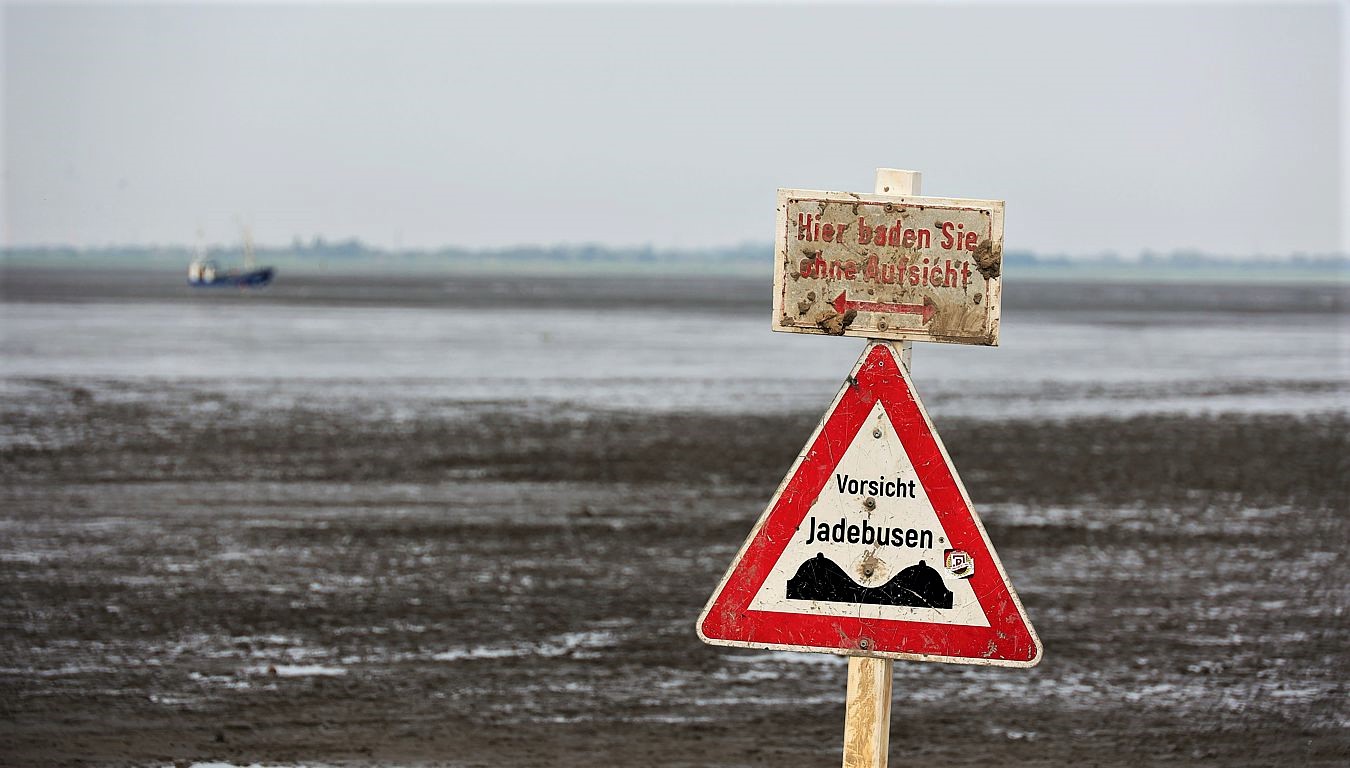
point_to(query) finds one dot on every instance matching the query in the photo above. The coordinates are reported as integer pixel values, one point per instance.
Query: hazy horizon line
(300, 247)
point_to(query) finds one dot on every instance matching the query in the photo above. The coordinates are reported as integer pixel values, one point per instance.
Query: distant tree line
(750, 258)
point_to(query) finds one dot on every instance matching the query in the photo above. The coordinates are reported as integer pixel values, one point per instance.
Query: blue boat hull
(255, 279)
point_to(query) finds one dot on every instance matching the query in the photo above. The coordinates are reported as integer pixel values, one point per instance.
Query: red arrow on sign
(842, 304)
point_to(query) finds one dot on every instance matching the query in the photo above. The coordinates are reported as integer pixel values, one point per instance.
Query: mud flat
(485, 589)
(304, 571)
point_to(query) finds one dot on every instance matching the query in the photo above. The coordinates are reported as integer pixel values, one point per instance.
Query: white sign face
(919, 268)
(874, 523)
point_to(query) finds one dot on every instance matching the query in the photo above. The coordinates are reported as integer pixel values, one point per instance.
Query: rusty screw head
(869, 503)
(864, 643)
(867, 572)
(881, 325)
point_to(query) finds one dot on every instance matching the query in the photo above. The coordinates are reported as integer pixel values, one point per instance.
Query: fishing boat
(205, 273)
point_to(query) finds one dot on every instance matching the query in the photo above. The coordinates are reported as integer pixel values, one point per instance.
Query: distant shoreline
(353, 258)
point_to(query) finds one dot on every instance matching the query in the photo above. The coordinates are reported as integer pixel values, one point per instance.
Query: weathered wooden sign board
(885, 267)
(871, 545)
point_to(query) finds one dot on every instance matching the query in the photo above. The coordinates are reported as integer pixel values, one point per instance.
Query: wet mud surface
(344, 522)
(488, 584)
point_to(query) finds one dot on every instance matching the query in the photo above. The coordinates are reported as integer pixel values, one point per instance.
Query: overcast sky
(1107, 128)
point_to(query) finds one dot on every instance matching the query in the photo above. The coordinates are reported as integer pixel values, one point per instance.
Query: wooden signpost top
(888, 267)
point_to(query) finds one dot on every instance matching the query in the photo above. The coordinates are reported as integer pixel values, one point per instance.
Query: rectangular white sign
(918, 268)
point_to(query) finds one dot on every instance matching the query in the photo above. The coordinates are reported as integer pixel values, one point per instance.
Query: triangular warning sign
(871, 546)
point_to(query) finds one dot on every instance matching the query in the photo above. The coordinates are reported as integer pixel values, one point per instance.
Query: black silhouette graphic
(918, 586)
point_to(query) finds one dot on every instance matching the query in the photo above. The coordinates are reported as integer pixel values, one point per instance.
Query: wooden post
(867, 716)
(867, 719)
(891, 181)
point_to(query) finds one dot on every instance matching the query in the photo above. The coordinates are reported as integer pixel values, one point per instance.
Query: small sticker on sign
(959, 563)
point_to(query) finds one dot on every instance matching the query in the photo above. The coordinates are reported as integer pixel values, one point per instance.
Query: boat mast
(249, 261)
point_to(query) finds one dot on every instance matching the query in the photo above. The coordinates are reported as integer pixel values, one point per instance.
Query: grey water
(655, 357)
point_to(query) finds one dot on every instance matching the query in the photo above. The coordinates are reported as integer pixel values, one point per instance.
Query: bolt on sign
(871, 545)
(909, 268)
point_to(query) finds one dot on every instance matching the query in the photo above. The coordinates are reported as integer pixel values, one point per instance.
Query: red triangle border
(728, 620)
